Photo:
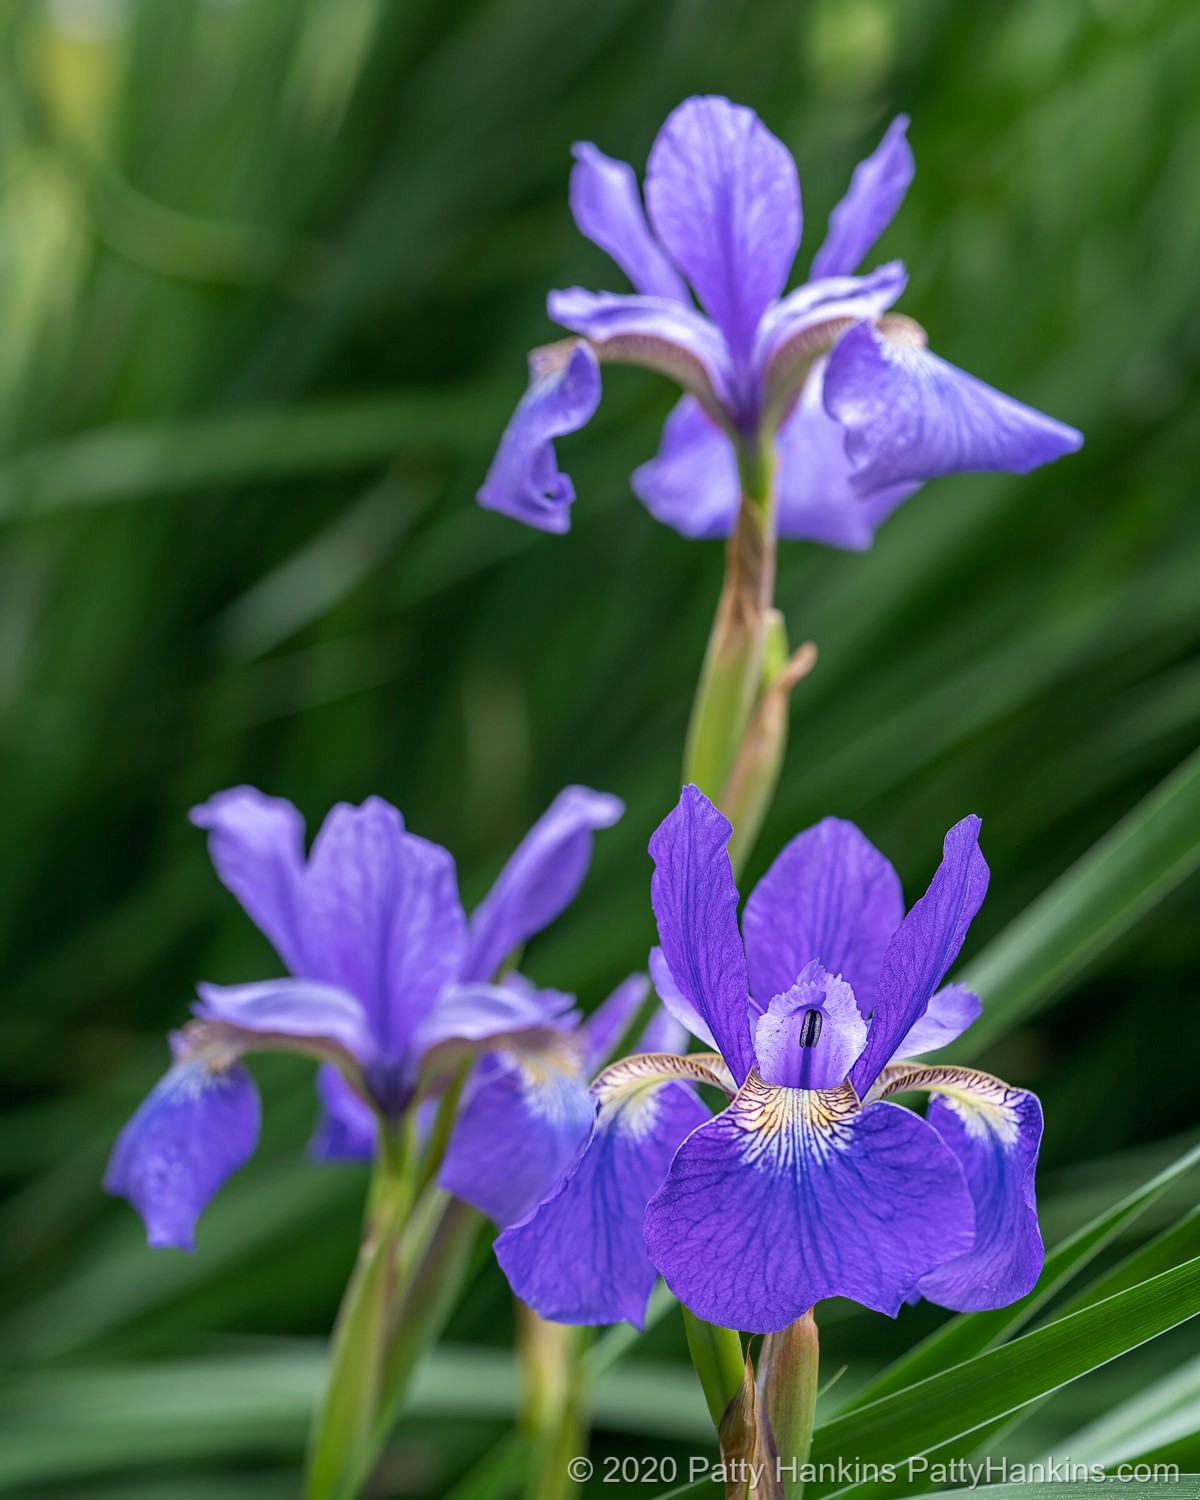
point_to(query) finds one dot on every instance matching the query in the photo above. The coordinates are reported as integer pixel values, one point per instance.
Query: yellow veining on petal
(627, 1092)
(983, 1103)
(783, 1124)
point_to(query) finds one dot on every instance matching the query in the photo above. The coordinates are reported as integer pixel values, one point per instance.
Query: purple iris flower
(810, 1184)
(387, 977)
(857, 411)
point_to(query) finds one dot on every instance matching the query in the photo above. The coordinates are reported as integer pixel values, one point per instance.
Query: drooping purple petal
(194, 1129)
(346, 1129)
(676, 1003)
(580, 1257)
(663, 1033)
(669, 337)
(923, 948)
(526, 1114)
(478, 1012)
(910, 416)
(950, 1012)
(695, 902)
(791, 1196)
(384, 918)
(524, 479)
(995, 1133)
(608, 1023)
(829, 895)
(256, 844)
(540, 880)
(724, 199)
(817, 501)
(876, 191)
(810, 1036)
(297, 1010)
(607, 208)
(691, 484)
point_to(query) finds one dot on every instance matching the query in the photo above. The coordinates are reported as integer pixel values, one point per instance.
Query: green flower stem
(788, 1376)
(719, 1361)
(732, 674)
(553, 1364)
(343, 1444)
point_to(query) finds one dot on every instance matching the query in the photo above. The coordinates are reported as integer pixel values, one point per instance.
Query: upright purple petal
(526, 1113)
(524, 480)
(695, 902)
(817, 501)
(995, 1132)
(580, 1257)
(346, 1129)
(876, 191)
(607, 208)
(194, 1129)
(692, 483)
(829, 895)
(948, 1015)
(384, 919)
(540, 880)
(791, 1196)
(658, 334)
(256, 844)
(724, 199)
(292, 1010)
(910, 416)
(923, 948)
(676, 1003)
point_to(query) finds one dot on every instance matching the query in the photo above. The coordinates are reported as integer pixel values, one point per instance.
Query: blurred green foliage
(268, 273)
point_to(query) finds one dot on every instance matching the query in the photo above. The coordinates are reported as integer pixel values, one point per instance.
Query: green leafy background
(268, 273)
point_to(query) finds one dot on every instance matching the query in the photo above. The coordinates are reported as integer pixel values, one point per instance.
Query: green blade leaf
(1145, 856)
(969, 1334)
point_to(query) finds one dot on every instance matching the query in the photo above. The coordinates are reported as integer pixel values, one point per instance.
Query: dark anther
(810, 1028)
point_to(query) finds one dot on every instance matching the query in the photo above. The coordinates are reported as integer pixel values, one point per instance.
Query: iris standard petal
(793, 1195)
(949, 1014)
(256, 844)
(924, 946)
(580, 1257)
(540, 880)
(194, 1129)
(691, 484)
(524, 479)
(676, 1003)
(828, 895)
(607, 208)
(909, 416)
(346, 1129)
(817, 501)
(695, 903)
(384, 918)
(296, 1014)
(724, 199)
(876, 191)
(995, 1132)
(668, 337)
(526, 1113)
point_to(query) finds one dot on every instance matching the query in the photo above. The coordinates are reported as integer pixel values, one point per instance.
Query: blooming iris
(810, 1184)
(387, 975)
(856, 410)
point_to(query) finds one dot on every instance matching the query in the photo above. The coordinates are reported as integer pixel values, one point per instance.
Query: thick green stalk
(787, 1379)
(343, 1442)
(552, 1360)
(732, 674)
(719, 1361)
